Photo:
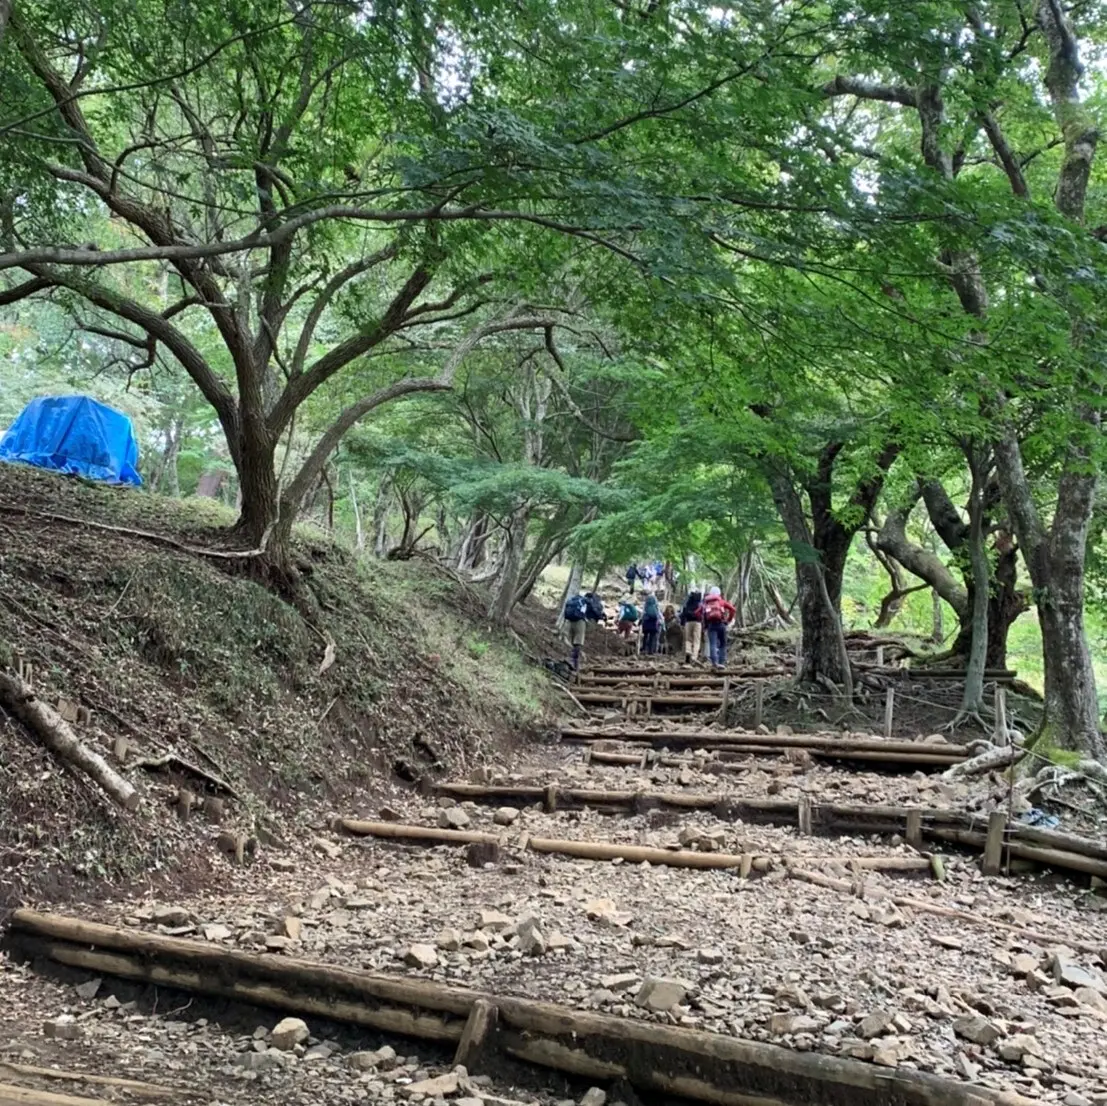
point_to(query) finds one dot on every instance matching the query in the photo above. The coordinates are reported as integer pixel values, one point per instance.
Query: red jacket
(729, 610)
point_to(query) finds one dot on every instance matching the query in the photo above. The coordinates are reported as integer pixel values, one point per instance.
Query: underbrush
(175, 654)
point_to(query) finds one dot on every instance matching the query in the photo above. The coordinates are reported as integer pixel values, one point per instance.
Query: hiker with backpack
(651, 625)
(673, 631)
(717, 613)
(691, 618)
(579, 611)
(628, 618)
(631, 576)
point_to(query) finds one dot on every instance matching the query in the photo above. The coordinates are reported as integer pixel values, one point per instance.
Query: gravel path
(770, 958)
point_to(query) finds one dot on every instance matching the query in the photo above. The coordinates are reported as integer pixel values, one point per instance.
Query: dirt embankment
(180, 655)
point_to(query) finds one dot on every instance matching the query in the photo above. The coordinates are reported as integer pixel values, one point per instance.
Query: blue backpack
(575, 609)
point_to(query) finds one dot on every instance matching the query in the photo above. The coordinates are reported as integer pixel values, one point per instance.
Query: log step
(664, 1059)
(635, 854)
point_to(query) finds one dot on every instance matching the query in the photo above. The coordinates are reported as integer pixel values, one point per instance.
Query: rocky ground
(1007, 989)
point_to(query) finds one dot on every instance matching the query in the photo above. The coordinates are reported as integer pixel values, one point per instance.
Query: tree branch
(1010, 163)
(871, 90)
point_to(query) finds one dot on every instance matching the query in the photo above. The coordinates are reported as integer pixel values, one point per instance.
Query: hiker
(631, 576)
(579, 611)
(691, 618)
(717, 612)
(674, 632)
(628, 618)
(651, 625)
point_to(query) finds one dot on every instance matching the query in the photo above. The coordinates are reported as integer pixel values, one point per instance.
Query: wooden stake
(889, 710)
(880, 656)
(1002, 738)
(803, 811)
(758, 705)
(914, 829)
(550, 802)
(745, 866)
(726, 699)
(473, 1046)
(993, 845)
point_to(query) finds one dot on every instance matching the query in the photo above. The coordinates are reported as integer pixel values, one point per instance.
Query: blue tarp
(74, 434)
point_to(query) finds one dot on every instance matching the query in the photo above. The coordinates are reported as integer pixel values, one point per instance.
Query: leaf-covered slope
(175, 654)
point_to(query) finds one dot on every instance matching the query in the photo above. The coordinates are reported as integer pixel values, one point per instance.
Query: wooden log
(147, 1090)
(993, 843)
(1054, 858)
(1058, 839)
(476, 1036)
(727, 739)
(58, 736)
(985, 762)
(707, 1067)
(426, 835)
(610, 850)
(24, 1096)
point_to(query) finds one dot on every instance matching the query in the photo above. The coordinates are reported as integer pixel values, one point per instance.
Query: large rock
(594, 1096)
(784, 1024)
(1071, 974)
(289, 1033)
(62, 1028)
(449, 940)
(421, 956)
(661, 995)
(438, 1087)
(531, 940)
(973, 1027)
(454, 818)
(172, 917)
(505, 816)
(876, 1024)
(382, 1058)
(494, 921)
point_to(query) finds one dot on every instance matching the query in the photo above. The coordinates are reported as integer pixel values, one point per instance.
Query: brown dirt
(176, 654)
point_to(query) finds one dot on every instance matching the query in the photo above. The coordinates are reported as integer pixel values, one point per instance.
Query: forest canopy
(801, 295)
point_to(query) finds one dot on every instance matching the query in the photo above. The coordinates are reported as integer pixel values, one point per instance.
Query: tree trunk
(515, 540)
(380, 517)
(818, 588)
(937, 632)
(972, 700)
(1055, 562)
(359, 532)
(260, 522)
(1005, 604)
(474, 547)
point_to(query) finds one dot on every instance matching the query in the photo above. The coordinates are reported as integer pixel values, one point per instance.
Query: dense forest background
(804, 296)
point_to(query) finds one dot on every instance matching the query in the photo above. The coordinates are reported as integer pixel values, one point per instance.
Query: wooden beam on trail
(739, 740)
(634, 854)
(1053, 858)
(11, 1095)
(1050, 848)
(706, 1067)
